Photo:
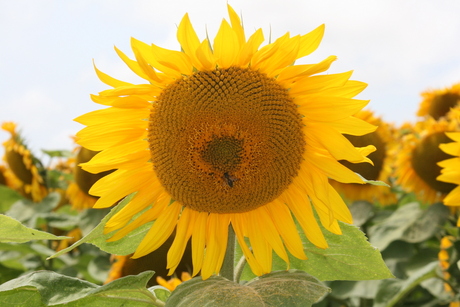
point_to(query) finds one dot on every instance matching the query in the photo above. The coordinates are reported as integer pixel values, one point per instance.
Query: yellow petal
(128, 102)
(339, 146)
(310, 41)
(199, 242)
(226, 46)
(216, 244)
(452, 149)
(205, 56)
(249, 48)
(300, 206)
(332, 168)
(261, 249)
(285, 225)
(353, 126)
(108, 79)
(160, 231)
(239, 223)
(292, 72)
(189, 41)
(316, 84)
(236, 25)
(315, 107)
(185, 227)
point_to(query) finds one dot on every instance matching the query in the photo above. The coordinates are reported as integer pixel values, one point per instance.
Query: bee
(229, 179)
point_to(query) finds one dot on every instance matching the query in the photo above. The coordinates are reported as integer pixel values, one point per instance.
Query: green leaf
(361, 211)
(349, 257)
(58, 153)
(46, 288)
(409, 223)
(8, 198)
(30, 213)
(160, 292)
(13, 231)
(361, 289)
(124, 246)
(286, 288)
(392, 291)
(373, 182)
(99, 268)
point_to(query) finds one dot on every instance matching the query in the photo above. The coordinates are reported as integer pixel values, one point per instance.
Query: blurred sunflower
(23, 165)
(156, 261)
(437, 103)
(383, 140)
(226, 134)
(416, 167)
(78, 191)
(8, 179)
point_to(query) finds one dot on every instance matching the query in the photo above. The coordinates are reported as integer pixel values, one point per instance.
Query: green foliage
(409, 237)
(8, 198)
(13, 231)
(45, 288)
(284, 288)
(349, 257)
(126, 245)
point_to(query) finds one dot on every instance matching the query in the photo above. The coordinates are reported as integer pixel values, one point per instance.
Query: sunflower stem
(239, 269)
(227, 270)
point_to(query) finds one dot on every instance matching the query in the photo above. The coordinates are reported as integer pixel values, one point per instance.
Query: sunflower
(8, 179)
(78, 191)
(416, 167)
(23, 165)
(383, 140)
(437, 103)
(226, 134)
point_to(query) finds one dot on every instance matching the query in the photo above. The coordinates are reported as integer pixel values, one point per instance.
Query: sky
(47, 48)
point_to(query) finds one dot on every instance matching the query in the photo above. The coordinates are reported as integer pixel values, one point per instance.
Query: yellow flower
(226, 133)
(443, 257)
(172, 283)
(8, 179)
(78, 191)
(437, 103)
(417, 166)
(23, 165)
(383, 140)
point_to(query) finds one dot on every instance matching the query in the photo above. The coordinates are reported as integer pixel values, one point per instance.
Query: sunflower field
(234, 176)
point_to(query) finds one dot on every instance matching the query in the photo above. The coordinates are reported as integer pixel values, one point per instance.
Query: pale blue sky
(400, 48)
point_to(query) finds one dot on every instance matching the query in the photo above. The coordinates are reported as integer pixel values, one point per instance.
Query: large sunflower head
(23, 165)
(226, 133)
(437, 103)
(383, 140)
(417, 166)
(78, 191)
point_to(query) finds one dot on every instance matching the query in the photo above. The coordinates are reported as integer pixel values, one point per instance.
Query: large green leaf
(286, 288)
(409, 223)
(13, 231)
(349, 257)
(124, 246)
(8, 198)
(46, 288)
